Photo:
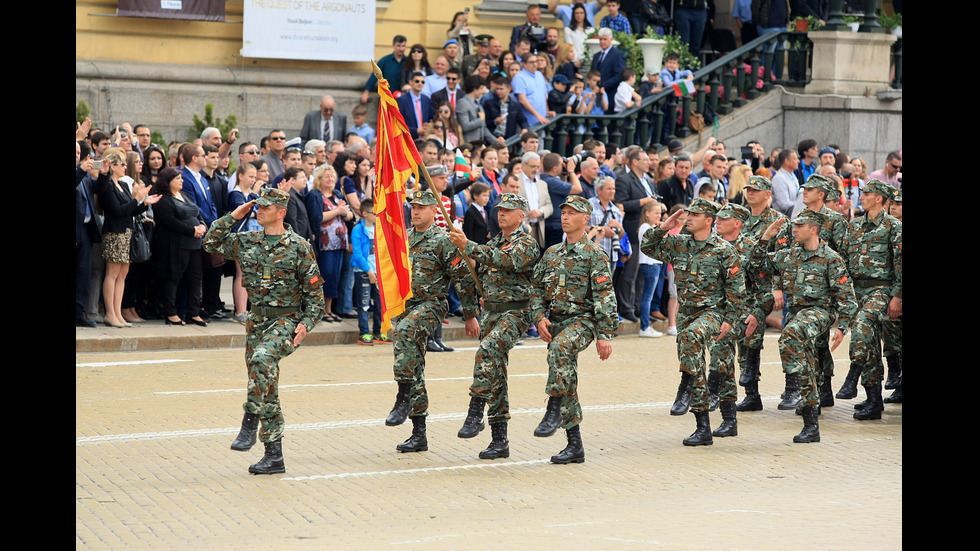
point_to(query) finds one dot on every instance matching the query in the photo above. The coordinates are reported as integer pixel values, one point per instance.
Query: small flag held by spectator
(462, 167)
(684, 87)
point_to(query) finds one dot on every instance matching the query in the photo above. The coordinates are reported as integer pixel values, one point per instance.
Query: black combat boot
(874, 407)
(894, 371)
(271, 462)
(246, 436)
(702, 436)
(400, 410)
(499, 447)
(552, 417)
(849, 390)
(826, 392)
(573, 452)
(811, 430)
(474, 419)
(896, 397)
(417, 442)
(792, 395)
(729, 425)
(752, 400)
(750, 373)
(714, 383)
(682, 403)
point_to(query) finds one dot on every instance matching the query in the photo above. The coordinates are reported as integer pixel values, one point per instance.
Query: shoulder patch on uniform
(781, 241)
(762, 275)
(314, 280)
(602, 279)
(733, 271)
(842, 280)
(456, 261)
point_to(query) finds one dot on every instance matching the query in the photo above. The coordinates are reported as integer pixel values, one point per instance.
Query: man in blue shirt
(391, 68)
(531, 91)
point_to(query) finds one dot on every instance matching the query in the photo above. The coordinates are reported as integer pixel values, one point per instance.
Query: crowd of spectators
(470, 97)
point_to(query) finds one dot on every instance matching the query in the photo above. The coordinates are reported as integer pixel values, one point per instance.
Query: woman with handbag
(137, 282)
(177, 247)
(120, 206)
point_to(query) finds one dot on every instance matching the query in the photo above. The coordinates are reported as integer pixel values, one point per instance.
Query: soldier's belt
(497, 307)
(865, 283)
(692, 310)
(274, 311)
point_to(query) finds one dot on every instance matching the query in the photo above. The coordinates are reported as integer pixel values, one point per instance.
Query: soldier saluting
(280, 273)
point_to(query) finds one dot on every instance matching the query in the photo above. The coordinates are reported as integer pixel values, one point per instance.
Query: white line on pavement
(140, 362)
(411, 471)
(322, 385)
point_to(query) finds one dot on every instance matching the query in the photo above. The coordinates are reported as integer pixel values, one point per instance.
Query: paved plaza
(153, 468)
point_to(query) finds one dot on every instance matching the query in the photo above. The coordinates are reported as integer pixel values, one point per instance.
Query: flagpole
(425, 172)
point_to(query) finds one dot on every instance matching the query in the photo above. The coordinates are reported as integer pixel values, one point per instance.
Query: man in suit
(535, 190)
(414, 106)
(610, 62)
(470, 114)
(632, 192)
(324, 124)
(200, 191)
(450, 94)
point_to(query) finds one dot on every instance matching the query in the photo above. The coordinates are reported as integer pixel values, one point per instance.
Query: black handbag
(139, 247)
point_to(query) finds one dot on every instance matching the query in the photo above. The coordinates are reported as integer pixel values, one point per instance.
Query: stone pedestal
(848, 63)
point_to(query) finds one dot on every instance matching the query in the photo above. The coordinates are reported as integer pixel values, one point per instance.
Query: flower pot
(802, 25)
(653, 55)
(897, 31)
(854, 26)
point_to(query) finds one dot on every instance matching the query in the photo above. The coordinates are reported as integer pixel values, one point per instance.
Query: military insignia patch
(733, 271)
(842, 280)
(314, 280)
(456, 261)
(602, 279)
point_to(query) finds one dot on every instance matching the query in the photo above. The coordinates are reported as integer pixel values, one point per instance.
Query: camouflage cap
(884, 189)
(437, 170)
(819, 181)
(731, 210)
(833, 194)
(578, 203)
(273, 196)
(760, 183)
(898, 196)
(807, 216)
(425, 199)
(512, 201)
(703, 206)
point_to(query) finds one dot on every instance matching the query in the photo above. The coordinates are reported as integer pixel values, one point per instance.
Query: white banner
(331, 30)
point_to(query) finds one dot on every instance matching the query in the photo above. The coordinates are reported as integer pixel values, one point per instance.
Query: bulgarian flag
(398, 160)
(463, 168)
(684, 88)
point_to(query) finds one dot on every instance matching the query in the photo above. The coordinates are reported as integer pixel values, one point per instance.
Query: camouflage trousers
(755, 341)
(865, 348)
(568, 338)
(798, 348)
(723, 362)
(267, 342)
(412, 330)
(891, 334)
(696, 335)
(499, 332)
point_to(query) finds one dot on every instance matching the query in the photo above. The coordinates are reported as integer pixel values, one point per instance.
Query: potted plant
(853, 22)
(891, 23)
(804, 24)
(653, 46)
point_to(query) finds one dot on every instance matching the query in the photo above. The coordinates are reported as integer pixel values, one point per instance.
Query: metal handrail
(724, 85)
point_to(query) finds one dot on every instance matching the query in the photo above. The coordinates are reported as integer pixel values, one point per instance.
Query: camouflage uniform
(435, 261)
(723, 351)
(710, 291)
(285, 289)
(752, 230)
(574, 286)
(891, 332)
(873, 251)
(506, 265)
(815, 285)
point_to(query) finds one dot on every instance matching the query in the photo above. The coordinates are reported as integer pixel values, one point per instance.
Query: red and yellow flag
(398, 159)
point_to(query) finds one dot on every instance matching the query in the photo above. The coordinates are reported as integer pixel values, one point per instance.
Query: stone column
(849, 63)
